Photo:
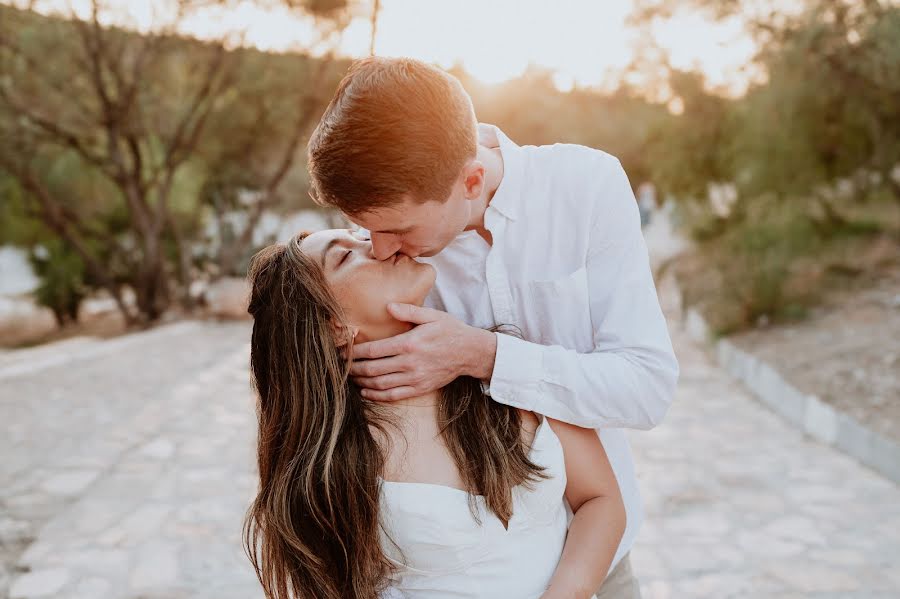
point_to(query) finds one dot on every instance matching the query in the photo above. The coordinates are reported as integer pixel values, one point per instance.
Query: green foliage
(113, 139)
(810, 155)
(829, 109)
(16, 227)
(531, 110)
(62, 284)
(757, 262)
(252, 126)
(687, 152)
(765, 267)
(827, 114)
(809, 152)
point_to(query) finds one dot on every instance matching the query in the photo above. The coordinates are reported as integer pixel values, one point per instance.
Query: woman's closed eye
(344, 257)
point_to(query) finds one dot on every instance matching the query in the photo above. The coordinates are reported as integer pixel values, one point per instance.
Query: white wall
(16, 276)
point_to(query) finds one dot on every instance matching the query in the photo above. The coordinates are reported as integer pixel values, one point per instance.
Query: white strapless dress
(442, 552)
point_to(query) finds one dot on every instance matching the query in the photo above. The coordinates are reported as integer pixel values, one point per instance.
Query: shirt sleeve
(629, 378)
(392, 593)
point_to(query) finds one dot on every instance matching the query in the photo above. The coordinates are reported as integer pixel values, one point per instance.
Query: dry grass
(738, 293)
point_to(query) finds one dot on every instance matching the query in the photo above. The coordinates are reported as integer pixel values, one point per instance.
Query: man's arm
(629, 379)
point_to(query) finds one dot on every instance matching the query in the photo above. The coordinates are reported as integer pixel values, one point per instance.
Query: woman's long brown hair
(313, 528)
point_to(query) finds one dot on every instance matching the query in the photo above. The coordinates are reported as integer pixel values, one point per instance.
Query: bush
(62, 280)
(763, 266)
(758, 261)
(774, 265)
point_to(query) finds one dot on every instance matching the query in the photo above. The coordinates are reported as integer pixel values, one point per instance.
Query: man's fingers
(365, 351)
(379, 349)
(373, 368)
(394, 394)
(387, 381)
(413, 313)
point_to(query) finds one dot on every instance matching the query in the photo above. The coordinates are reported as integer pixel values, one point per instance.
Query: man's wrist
(481, 354)
(557, 591)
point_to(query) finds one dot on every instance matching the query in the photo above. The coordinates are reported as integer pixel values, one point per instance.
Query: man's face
(414, 228)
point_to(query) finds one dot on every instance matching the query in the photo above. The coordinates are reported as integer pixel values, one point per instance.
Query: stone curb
(807, 412)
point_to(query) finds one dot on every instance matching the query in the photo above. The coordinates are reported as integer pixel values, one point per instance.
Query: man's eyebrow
(397, 231)
(327, 249)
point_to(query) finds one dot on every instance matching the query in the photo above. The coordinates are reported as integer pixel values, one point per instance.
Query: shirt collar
(507, 196)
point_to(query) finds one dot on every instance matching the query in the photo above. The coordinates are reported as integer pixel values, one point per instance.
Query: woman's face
(365, 286)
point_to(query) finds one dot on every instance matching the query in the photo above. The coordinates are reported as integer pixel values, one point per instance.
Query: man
(544, 238)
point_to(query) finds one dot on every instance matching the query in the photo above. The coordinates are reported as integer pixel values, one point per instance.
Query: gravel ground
(847, 353)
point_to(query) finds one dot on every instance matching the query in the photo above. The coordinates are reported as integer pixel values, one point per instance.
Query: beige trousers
(621, 583)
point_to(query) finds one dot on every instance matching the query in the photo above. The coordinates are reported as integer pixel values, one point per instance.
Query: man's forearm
(631, 388)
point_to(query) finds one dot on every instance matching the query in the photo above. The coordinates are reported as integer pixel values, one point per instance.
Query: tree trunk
(151, 285)
(183, 258)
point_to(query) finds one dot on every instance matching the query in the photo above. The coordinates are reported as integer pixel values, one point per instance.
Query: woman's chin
(410, 284)
(426, 276)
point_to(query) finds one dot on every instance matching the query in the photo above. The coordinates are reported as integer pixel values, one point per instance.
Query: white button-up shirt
(569, 269)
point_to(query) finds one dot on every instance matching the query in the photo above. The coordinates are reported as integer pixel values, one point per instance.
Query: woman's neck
(428, 400)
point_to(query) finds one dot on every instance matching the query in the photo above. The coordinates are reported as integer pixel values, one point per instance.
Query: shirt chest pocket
(557, 311)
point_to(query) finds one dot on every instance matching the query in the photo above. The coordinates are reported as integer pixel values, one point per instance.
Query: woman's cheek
(347, 296)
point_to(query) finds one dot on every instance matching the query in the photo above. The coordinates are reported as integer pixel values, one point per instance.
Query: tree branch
(178, 143)
(188, 132)
(62, 222)
(36, 70)
(57, 133)
(304, 121)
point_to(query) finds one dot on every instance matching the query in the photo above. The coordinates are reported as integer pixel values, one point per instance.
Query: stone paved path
(128, 464)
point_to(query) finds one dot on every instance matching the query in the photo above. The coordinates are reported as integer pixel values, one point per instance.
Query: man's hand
(438, 350)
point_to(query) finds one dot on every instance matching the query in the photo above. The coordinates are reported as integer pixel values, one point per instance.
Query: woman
(444, 495)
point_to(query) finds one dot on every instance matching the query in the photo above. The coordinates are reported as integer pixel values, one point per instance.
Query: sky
(584, 42)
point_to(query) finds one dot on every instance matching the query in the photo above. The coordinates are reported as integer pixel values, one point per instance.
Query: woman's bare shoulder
(530, 423)
(530, 419)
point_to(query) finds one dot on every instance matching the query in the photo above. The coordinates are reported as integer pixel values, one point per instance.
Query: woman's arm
(599, 522)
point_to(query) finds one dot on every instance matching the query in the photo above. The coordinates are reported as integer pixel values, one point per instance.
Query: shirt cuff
(517, 372)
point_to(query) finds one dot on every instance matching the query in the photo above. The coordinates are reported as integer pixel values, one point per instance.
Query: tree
(131, 113)
(825, 114)
(690, 150)
(809, 154)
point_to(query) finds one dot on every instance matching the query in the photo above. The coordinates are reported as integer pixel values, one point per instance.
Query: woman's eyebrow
(327, 249)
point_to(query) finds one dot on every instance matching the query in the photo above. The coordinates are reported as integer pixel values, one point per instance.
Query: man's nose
(384, 246)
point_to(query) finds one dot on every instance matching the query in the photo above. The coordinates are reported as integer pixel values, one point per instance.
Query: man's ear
(473, 179)
(344, 335)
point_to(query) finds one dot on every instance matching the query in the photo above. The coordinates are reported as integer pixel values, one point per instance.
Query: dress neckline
(398, 483)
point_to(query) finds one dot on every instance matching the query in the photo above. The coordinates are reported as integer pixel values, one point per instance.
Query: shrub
(62, 284)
